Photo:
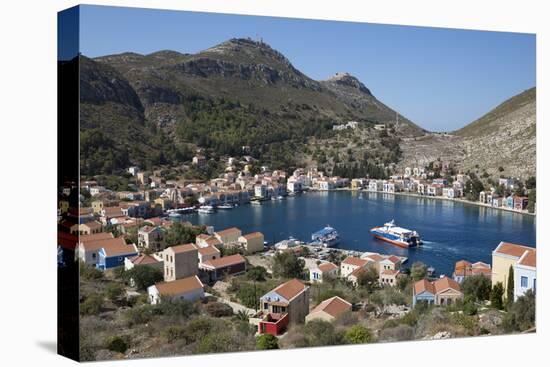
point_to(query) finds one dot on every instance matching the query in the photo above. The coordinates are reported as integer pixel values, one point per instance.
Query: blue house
(423, 291)
(510, 202)
(113, 253)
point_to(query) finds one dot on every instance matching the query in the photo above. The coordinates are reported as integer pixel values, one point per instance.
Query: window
(524, 282)
(93, 255)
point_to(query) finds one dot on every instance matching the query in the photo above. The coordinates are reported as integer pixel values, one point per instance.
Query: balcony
(273, 323)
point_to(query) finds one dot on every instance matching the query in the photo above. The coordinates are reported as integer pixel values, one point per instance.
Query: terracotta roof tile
(183, 248)
(512, 249)
(143, 259)
(355, 261)
(225, 261)
(325, 267)
(529, 258)
(208, 250)
(290, 289)
(333, 306)
(179, 286)
(253, 235)
(424, 286)
(444, 283)
(228, 231)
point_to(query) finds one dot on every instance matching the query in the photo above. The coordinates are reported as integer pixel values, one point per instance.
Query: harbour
(450, 231)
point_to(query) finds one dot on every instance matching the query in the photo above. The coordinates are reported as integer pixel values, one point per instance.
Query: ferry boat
(327, 236)
(206, 209)
(398, 236)
(291, 242)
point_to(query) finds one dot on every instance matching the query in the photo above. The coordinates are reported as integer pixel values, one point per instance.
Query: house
(350, 263)
(205, 240)
(389, 263)
(329, 309)
(110, 213)
(294, 186)
(199, 160)
(288, 303)
(208, 253)
(483, 197)
(143, 260)
(113, 253)
(496, 201)
(376, 185)
(443, 291)
(435, 189)
(184, 289)
(323, 271)
(180, 262)
(506, 256)
(89, 245)
(358, 183)
(229, 236)
(152, 238)
(465, 269)
(520, 202)
(215, 269)
(87, 228)
(252, 242)
(260, 191)
(509, 202)
(325, 185)
(388, 277)
(525, 274)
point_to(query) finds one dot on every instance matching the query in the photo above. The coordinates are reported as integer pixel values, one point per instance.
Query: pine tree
(510, 286)
(496, 296)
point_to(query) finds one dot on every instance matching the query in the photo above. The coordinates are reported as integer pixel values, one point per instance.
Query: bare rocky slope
(501, 142)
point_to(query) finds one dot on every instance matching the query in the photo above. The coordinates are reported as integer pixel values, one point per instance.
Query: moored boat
(226, 206)
(206, 209)
(398, 236)
(327, 237)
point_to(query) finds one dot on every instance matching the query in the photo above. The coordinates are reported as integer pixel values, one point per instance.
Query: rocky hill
(501, 142)
(238, 93)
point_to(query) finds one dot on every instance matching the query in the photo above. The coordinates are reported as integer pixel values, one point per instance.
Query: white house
(525, 273)
(322, 271)
(185, 289)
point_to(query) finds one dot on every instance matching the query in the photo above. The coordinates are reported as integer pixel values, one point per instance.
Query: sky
(441, 79)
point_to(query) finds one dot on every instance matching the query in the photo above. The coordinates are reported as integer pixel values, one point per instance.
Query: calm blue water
(450, 231)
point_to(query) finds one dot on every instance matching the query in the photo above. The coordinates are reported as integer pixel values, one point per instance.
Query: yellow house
(97, 206)
(164, 203)
(252, 242)
(87, 228)
(506, 255)
(229, 236)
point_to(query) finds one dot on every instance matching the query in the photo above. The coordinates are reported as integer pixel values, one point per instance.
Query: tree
(144, 276)
(256, 273)
(358, 334)
(418, 271)
(179, 233)
(368, 278)
(477, 287)
(287, 265)
(496, 296)
(267, 341)
(521, 314)
(510, 287)
(116, 344)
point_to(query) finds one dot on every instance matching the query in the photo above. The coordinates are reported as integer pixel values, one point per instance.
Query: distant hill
(501, 142)
(238, 93)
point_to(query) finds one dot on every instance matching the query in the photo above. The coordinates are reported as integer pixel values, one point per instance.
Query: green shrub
(470, 308)
(139, 315)
(218, 309)
(88, 272)
(144, 276)
(267, 341)
(358, 334)
(92, 304)
(521, 313)
(116, 344)
(173, 333)
(113, 291)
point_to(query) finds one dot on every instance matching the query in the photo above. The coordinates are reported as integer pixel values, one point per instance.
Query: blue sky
(442, 79)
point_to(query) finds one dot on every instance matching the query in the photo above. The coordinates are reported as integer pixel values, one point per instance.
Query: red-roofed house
(506, 256)
(252, 242)
(350, 263)
(184, 289)
(443, 291)
(323, 271)
(329, 309)
(180, 261)
(214, 269)
(465, 269)
(525, 274)
(287, 303)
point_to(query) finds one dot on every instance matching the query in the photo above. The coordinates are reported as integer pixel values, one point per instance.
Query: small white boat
(255, 202)
(206, 209)
(226, 206)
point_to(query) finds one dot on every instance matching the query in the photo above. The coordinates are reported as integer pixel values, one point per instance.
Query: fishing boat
(255, 202)
(206, 209)
(327, 237)
(398, 236)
